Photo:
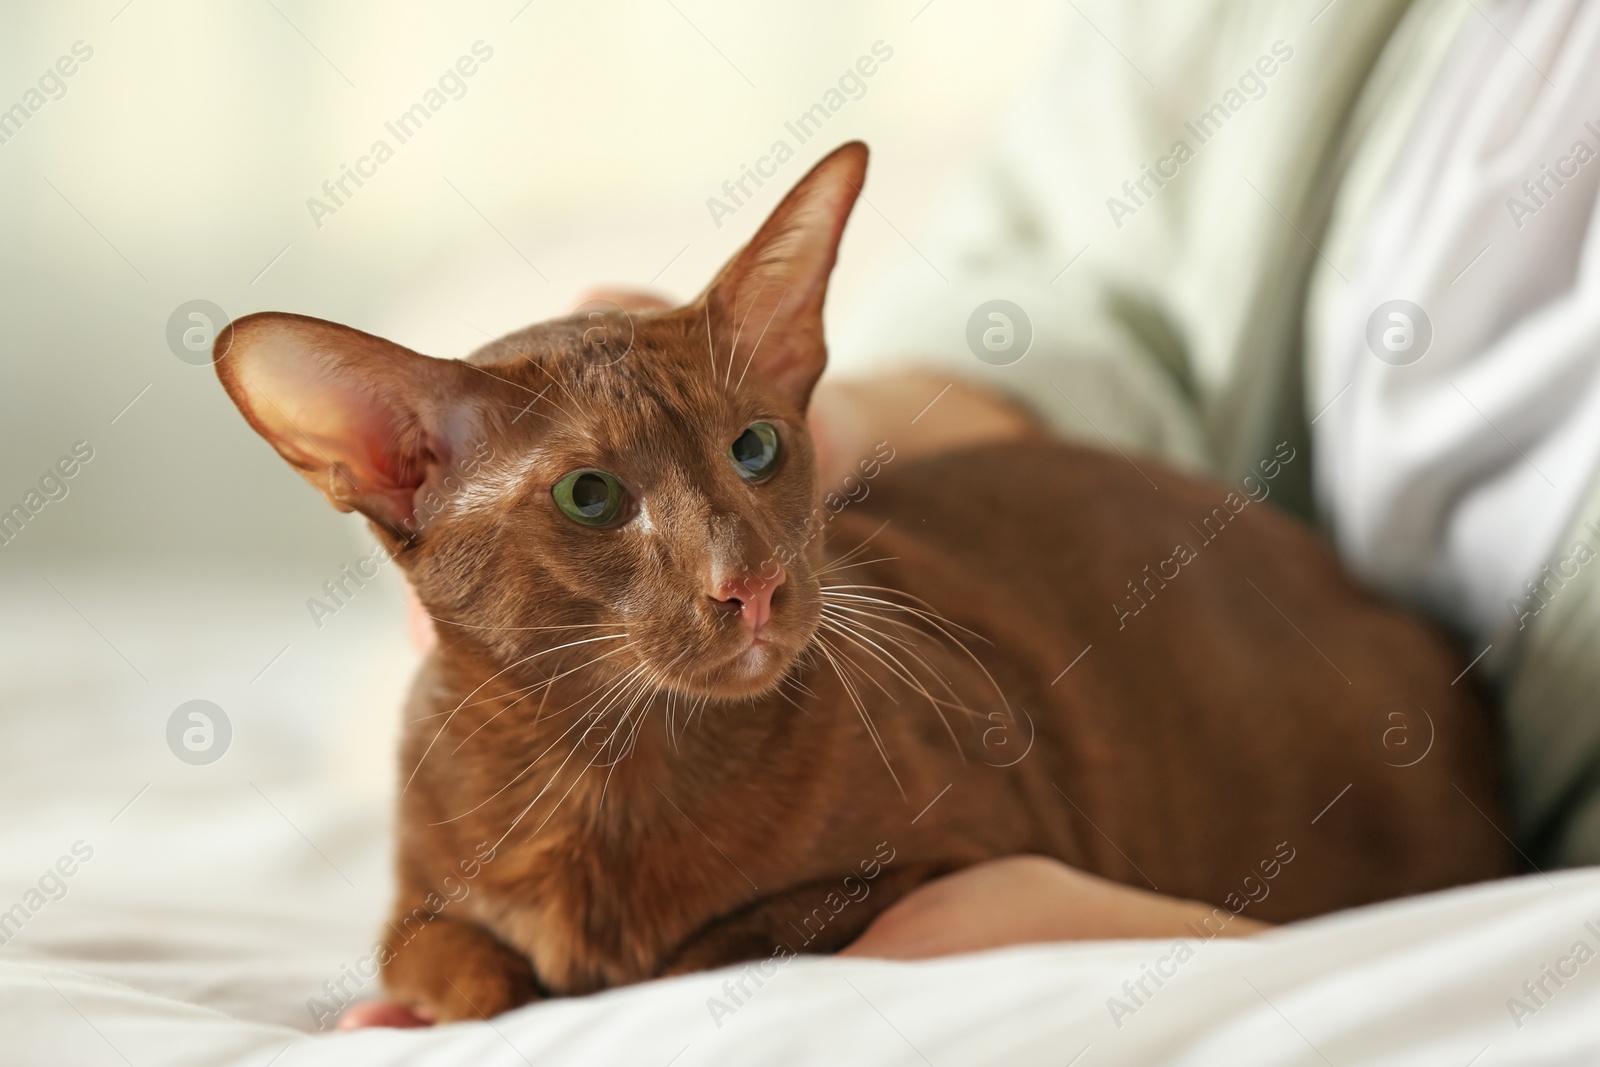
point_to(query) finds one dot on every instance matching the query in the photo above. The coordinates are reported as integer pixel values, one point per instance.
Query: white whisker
(757, 346)
(532, 689)
(587, 716)
(507, 629)
(856, 635)
(861, 709)
(526, 659)
(734, 351)
(711, 347)
(927, 616)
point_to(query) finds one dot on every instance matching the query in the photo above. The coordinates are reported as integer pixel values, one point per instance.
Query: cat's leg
(447, 969)
(817, 917)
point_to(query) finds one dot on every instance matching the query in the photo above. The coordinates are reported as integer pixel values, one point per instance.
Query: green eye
(755, 453)
(590, 497)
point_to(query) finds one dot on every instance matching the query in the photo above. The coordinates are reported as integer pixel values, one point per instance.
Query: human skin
(1021, 900)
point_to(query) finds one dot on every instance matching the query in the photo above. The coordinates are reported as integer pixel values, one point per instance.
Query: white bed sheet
(219, 900)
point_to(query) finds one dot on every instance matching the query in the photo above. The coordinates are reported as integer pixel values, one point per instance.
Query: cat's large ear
(369, 423)
(765, 307)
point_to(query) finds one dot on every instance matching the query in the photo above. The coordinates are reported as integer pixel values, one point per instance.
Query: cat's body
(668, 726)
(1183, 751)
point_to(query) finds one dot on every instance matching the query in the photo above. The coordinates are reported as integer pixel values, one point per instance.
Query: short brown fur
(576, 818)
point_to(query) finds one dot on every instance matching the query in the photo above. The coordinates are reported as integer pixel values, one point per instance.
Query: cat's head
(606, 474)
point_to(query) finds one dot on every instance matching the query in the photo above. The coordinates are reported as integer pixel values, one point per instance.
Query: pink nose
(750, 596)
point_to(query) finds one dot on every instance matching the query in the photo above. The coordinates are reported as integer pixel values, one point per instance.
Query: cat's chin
(752, 672)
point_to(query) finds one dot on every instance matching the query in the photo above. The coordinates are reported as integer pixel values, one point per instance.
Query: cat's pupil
(749, 451)
(589, 495)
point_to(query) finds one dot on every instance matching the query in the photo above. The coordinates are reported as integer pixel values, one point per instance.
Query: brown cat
(685, 709)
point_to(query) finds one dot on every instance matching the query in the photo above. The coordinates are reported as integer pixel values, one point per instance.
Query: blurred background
(175, 164)
(178, 164)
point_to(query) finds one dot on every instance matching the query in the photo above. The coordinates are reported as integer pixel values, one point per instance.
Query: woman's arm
(1024, 899)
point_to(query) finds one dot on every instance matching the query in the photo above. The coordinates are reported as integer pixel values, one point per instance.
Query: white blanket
(218, 902)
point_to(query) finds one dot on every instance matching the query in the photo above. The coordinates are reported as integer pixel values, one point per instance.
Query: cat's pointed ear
(369, 423)
(765, 307)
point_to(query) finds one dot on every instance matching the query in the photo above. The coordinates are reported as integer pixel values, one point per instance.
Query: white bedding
(219, 901)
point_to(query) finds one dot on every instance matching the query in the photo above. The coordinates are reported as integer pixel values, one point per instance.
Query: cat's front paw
(452, 971)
